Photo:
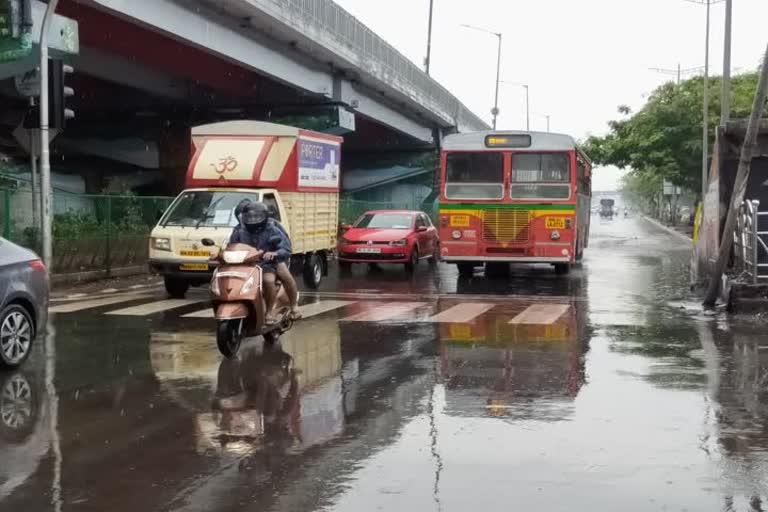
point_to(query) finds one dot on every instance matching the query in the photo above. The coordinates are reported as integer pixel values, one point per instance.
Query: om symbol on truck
(226, 164)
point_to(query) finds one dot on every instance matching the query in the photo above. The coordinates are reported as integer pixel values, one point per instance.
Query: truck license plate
(193, 266)
(197, 254)
(368, 250)
(555, 223)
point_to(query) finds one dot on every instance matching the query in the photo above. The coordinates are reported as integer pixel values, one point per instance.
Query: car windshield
(204, 208)
(385, 221)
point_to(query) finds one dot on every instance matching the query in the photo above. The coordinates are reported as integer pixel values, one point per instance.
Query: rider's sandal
(296, 314)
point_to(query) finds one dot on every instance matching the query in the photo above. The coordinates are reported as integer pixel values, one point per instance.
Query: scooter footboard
(231, 311)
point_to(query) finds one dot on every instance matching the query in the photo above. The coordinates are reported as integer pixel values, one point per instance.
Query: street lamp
(527, 104)
(495, 109)
(429, 39)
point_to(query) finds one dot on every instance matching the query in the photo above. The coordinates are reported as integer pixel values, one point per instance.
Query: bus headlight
(456, 235)
(555, 235)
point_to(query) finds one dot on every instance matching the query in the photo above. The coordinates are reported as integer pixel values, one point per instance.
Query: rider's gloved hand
(269, 256)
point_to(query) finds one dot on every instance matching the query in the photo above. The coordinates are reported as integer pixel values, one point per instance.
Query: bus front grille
(506, 226)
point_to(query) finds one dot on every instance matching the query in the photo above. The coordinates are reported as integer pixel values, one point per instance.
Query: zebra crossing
(520, 311)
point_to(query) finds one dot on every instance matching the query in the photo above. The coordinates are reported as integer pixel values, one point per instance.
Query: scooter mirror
(208, 242)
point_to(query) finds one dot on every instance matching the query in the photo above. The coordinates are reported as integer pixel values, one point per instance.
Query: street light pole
(429, 38)
(495, 109)
(725, 93)
(547, 116)
(527, 104)
(45, 156)
(498, 71)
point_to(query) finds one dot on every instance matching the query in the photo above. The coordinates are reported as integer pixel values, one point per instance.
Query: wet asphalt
(629, 398)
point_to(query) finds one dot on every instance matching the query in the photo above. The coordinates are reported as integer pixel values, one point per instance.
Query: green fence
(90, 232)
(105, 232)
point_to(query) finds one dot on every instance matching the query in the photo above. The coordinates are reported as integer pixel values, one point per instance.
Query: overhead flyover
(312, 46)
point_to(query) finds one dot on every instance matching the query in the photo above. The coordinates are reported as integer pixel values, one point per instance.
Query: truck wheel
(313, 271)
(466, 269)
(176, 288)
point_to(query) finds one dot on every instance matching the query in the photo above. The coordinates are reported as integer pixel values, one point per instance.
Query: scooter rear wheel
(229, 335)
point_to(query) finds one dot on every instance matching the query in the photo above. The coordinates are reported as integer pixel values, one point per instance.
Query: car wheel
(18, 407)
(176, 288)
(435, 259)
(16, 335)
(313, 272)
(413, 261)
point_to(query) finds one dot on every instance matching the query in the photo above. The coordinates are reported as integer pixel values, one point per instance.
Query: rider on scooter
(258, 230)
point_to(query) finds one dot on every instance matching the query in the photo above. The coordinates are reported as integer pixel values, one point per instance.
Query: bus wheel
(466, 269)
(562, 269)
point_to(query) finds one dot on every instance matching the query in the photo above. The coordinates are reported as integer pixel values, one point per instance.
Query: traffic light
(58, 92)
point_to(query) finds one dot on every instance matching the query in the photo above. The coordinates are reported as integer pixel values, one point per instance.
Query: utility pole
(429, 38)
(45, 156)
(705, 121)
(748, 151)
(725, 93)
(495, 109)
(678, 72)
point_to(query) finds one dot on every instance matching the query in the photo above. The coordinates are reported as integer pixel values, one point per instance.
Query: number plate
(555, 223)
(368, 250)
(198, 254)
(460, 221)
(193, 266)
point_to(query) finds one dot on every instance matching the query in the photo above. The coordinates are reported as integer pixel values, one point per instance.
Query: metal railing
(750, 242)
(371, 53)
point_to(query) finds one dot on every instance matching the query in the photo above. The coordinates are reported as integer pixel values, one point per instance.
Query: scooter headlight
(235, 257)
(215, 283)
(248, 285)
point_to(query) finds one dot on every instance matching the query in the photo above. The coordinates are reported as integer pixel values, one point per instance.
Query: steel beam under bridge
(236, 30)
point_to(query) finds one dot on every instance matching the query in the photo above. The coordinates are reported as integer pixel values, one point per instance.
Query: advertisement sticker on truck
(318, 163)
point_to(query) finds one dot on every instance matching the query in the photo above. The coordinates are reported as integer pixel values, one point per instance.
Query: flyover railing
(751, 242)
(371, 53)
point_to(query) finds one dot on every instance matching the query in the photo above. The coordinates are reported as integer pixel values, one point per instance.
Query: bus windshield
(541, 176)
(474, 176)
(204, 208)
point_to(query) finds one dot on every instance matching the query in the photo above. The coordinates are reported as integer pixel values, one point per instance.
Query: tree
(662, 141)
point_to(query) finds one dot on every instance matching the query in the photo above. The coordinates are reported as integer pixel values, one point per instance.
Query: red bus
(513, 197)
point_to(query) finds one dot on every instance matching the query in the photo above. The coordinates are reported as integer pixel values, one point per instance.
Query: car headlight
(399, 243)
(161, 244)
(248, 285)
(344, 241)
(215, 283)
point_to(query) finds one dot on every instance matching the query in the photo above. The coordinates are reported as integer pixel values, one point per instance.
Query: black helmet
(255, 215)
(242, 205)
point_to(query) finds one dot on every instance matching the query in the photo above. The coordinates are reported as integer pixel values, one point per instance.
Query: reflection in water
(518, 371)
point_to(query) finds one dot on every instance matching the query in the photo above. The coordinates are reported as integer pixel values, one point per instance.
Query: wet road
(604, 390)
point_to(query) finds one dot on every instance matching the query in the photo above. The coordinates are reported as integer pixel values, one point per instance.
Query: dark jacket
(261, 240)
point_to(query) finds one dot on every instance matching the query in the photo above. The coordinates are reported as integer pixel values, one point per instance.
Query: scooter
(238, 299)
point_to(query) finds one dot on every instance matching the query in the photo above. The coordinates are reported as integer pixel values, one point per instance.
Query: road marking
(71, 307)
(154, 307)
(386, 312)
(541, 314)
(461, 313)
(307, 311)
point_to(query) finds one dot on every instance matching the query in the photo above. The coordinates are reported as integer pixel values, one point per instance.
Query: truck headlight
(161, 244)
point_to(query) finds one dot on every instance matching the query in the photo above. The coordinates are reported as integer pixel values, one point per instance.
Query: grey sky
(580, 58)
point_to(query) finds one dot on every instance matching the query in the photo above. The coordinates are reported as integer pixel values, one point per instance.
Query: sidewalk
(682, 232)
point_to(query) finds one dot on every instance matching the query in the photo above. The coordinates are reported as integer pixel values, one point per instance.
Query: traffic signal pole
(45, 156)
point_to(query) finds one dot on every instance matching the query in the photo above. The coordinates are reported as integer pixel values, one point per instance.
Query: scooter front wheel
(229, 335)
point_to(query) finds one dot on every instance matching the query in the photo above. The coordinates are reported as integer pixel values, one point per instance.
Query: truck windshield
(206, 208)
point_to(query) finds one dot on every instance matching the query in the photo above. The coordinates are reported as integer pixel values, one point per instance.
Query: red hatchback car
(390, 236)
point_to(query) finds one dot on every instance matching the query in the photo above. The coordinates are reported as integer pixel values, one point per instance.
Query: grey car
(23, 302)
